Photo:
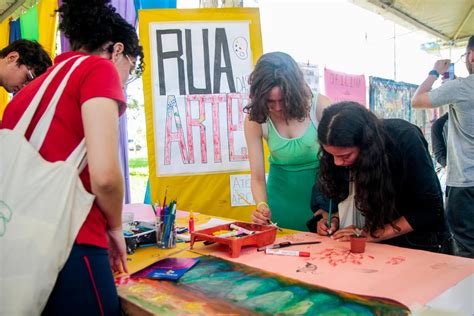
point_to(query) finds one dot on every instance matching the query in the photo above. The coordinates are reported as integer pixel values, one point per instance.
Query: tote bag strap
(78, 156)
(27, 116)
(41, 129)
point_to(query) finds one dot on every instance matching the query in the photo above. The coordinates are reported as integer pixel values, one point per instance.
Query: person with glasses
(20, 63)
(89, 108)
(459, 95)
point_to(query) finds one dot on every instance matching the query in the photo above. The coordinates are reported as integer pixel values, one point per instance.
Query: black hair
(349, 124)
(89, 24)
(278, 69)
(470, 43)
(31, 53)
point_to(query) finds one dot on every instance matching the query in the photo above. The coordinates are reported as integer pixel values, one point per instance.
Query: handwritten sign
(240, 190)
(344, 87)
(311, 75)
(200, 85)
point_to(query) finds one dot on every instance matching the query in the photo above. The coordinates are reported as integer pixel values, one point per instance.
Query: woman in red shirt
(89, 108)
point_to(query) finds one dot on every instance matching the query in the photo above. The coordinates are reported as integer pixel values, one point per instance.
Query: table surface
(457, 299)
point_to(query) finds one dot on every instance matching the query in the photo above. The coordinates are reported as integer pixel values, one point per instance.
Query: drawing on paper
(216, 285)
(308, 268)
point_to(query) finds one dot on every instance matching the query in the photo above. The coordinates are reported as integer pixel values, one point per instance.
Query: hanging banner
(344, 87)
(311, 75)
(391, 99)
(196, 85)
(198, 112)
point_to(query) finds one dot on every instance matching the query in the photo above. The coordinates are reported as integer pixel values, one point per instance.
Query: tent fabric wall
(4, 39)
(47, 21)
(29, 24)
(38, 23)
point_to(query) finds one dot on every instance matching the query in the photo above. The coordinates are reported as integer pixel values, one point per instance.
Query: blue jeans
(460, 214)
(85, 285)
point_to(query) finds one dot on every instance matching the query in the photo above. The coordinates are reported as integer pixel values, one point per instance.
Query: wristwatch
(434, 73)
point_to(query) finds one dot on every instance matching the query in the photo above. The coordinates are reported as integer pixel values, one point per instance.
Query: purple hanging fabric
(126, 9)
(65, 45)
(123, 155)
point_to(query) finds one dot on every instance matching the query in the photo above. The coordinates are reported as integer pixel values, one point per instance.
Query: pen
(287, 253)
(329, 216)
(287, 244)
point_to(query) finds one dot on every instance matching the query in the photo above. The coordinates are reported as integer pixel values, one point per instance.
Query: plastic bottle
(191, 222)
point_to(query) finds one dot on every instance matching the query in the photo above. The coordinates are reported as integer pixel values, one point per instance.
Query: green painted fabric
(29, 24)
(293, 170)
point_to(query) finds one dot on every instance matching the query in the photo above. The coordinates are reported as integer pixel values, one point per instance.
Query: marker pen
(286, 253)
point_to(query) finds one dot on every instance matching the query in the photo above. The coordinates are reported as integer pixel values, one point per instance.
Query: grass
(138, 169)
(138, 163)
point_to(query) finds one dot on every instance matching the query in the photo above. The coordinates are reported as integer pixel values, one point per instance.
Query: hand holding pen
(322, 226)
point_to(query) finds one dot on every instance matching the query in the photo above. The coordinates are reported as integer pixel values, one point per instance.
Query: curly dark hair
(278, 69)
(349, 124)
(31, 53)
(89, 24)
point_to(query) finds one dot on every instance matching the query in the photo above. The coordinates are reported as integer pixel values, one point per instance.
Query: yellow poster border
(208, 193)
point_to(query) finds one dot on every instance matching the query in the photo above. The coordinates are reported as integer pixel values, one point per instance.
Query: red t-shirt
(95, 77)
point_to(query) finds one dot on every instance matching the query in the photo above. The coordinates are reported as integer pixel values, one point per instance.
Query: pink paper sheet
(405, 275)
(144, 212)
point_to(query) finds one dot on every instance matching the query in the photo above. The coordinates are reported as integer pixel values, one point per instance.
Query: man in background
(439, 136)
(459, 94)
(20, 63)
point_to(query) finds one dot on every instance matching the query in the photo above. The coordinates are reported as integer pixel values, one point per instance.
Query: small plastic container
(165, 231)
(358, 244)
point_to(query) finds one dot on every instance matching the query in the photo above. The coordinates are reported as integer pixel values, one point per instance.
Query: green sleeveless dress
(293, 171)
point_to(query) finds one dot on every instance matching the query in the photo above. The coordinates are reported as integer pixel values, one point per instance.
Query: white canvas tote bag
(42, 207)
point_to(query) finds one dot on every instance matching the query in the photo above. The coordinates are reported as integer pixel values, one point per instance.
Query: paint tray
(264, 235)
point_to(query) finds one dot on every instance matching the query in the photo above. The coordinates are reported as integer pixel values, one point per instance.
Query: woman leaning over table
(283, 111)
(383, 172)
(89, 108)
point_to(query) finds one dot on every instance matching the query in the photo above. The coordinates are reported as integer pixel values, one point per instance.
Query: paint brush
(244, 199)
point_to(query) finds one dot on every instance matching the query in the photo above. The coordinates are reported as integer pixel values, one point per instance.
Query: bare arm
(323, 102)
(101, 129)
(253, 137)
(421, 98)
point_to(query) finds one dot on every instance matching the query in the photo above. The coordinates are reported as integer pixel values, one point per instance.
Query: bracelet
(434, 73)
(262, 203)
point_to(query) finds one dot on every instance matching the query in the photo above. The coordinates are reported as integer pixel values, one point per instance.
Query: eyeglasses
(134, 72)
(29, 75)
(462, 57)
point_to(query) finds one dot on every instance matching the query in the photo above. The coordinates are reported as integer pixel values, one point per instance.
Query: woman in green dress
(285, 112)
